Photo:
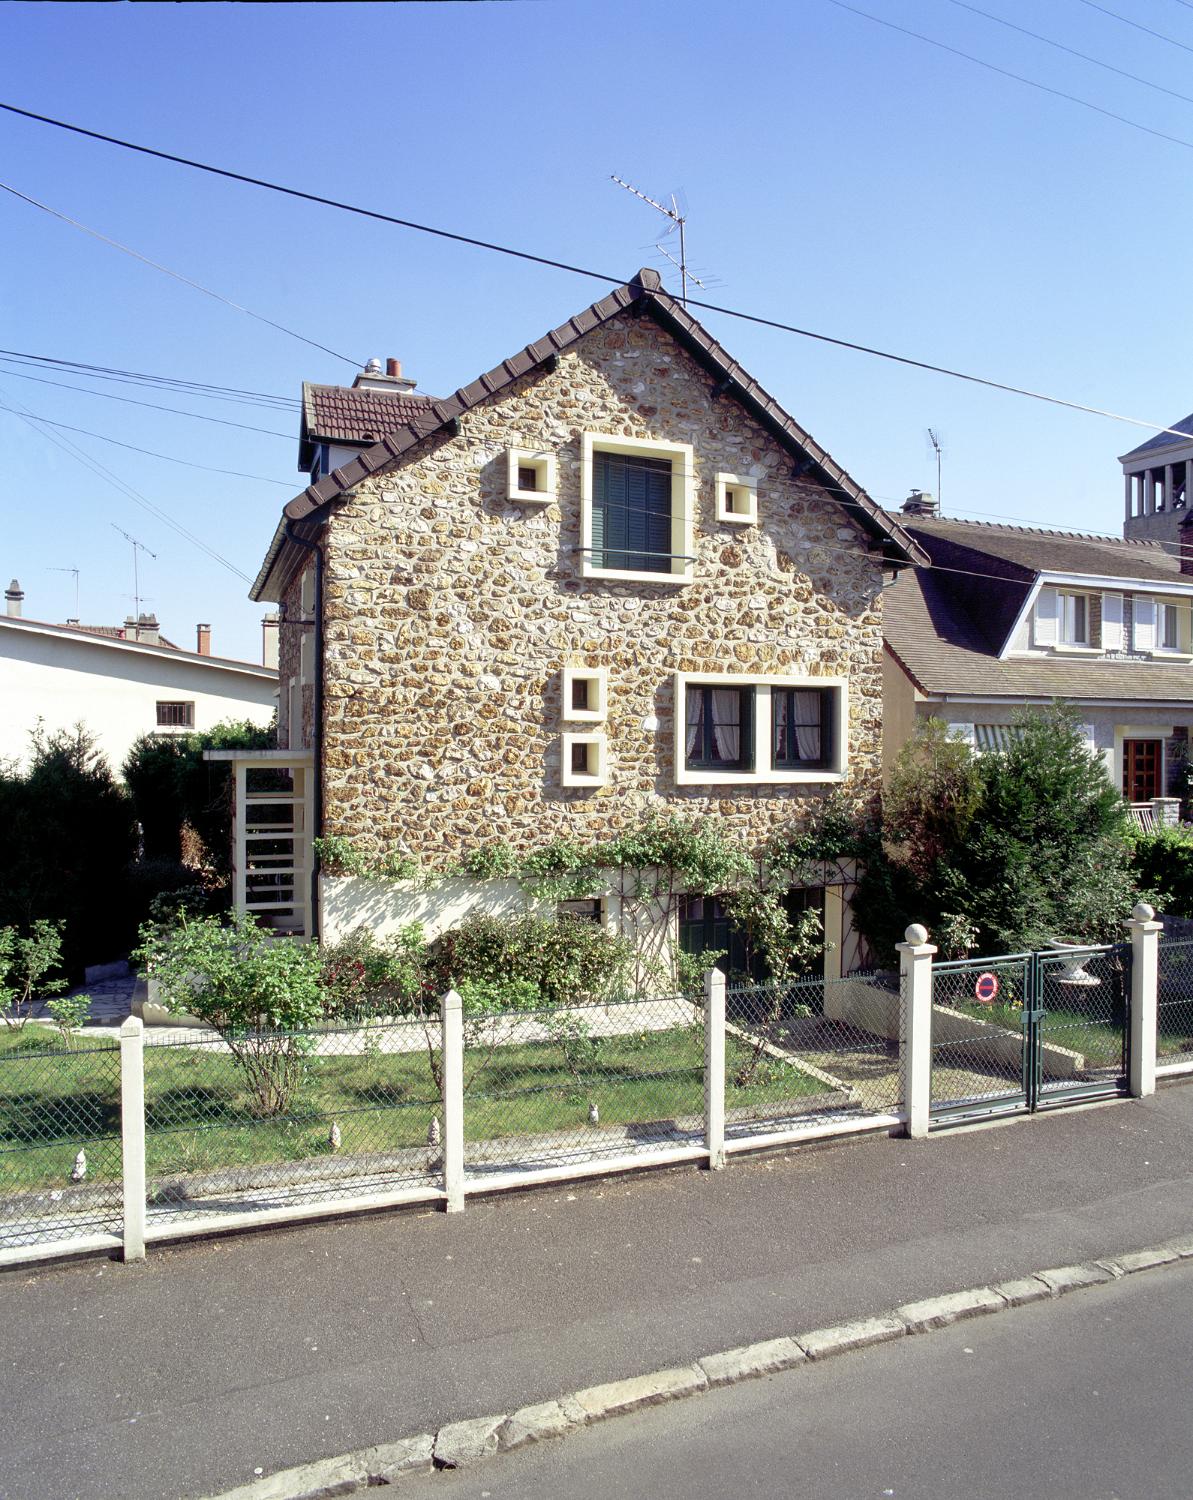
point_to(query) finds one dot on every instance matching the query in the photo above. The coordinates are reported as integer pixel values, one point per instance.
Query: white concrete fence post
(915, 1041)
(452, 1013)
(714, 1068)
(132, 1134)
(1145, 998)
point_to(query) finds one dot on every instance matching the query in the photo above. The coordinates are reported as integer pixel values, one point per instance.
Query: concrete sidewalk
(185, 1374)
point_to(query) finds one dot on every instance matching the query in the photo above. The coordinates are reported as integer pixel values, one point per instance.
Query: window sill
(616, 575)
(756, 778)
(1065, 650)
(1162, 654)
(531, 497)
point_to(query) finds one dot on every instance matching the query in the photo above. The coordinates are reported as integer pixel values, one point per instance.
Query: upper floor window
(636, 509)
(759, 729)
(1073, 619)
(175, 715)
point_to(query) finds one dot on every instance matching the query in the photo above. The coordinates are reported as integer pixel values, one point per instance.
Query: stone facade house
(610, 576)
(1011, 616)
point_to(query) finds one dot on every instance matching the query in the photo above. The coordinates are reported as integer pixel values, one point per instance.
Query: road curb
(459, 1444)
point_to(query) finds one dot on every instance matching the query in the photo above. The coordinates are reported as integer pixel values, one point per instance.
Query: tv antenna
(936, 439)
(75, 571)
(678, 221)
(137, 547)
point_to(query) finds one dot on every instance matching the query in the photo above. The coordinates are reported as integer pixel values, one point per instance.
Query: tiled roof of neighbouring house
(117, 632)
(946, 629)
(1162, 440)
(645, 295)
(343, 414)
(1028, 551)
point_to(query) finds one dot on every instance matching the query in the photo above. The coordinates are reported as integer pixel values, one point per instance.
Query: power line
(1126, 20)
(134, 495)
(152, 405)
(559, 265)
(150, 453)
(186, 280)
(1044, 88)
(140, 377)
(1072, 51)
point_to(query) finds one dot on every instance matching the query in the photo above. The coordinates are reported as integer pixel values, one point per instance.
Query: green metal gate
(1029, 1031)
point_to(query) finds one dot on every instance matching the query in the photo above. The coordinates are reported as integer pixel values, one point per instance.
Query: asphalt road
(182, 1375)
(1085, 1398)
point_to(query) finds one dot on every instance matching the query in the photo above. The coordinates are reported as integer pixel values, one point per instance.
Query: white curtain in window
(807, 730)
(694, 701)
(726, 728)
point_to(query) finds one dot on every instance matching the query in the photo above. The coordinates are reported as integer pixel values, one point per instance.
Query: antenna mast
(679, 221)
(137, 547)
(934, 439)
(75, 571)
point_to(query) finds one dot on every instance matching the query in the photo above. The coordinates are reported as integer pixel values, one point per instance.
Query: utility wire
(559, 265)
(1127, 21)
(140, 377)
(196, 416)
(150, 453)
(186, 280)
(1044, 88)
(1072, 51)
(135, 495)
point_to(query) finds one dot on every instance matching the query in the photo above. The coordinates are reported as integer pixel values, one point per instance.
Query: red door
(1142, 760)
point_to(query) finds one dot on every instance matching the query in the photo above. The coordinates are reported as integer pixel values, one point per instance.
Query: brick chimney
(919, 503)
(203, 640)
(14, 596)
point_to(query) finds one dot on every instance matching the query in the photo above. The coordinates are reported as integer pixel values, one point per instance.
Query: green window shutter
(631, 513)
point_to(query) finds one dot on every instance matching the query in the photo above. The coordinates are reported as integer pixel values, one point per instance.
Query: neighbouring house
(120, 681)
(1158, 485)
(607, 577)
(1010, 616)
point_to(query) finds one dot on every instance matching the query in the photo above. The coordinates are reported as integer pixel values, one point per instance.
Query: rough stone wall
(450, 613)
(290, 634)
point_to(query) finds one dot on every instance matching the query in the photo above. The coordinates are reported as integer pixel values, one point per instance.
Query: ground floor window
(705, 927)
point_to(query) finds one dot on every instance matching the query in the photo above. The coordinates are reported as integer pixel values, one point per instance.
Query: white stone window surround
(683, 488)
(764, 772)
(598, 694)
(597, 760)
(544, 466)
(737, 499)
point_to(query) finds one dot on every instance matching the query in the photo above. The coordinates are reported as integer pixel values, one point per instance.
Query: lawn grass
(199, 1110)
(1097, 1038)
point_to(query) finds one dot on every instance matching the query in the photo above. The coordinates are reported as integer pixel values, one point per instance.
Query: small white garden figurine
(594, 1114)
(79, 1170)
(433, 1131)
(333, 1140)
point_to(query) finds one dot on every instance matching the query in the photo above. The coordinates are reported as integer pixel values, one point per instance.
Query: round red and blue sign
(986, 988)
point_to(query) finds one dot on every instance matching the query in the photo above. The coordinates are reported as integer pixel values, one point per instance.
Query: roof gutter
(316, 550)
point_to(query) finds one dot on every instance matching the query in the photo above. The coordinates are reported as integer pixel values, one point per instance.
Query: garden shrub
(364, 976)
(1163, 865)
(567, 959)
(25, 963)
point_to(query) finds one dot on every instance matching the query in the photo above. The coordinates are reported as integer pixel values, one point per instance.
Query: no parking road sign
(986, 987)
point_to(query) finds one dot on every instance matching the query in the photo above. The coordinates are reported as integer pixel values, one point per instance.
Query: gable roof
(946, 627)
(99, 635)
(347, 414)
(645, 295)
(1162, 440)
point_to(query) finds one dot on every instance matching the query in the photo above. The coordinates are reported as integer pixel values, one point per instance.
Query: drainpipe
(316, 717)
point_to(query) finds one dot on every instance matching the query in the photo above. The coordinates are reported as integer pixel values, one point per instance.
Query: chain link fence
(811, 1052)
(60, 1149)
(1174, 1034)
(582, 1083)
(275, 1119)
(1084, 997)
(977, 1030)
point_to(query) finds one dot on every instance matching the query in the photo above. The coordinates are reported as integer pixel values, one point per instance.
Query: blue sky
(837, 175)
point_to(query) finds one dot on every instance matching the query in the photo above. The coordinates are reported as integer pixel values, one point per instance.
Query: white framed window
(584, 760)
(584, 694)
(636, 509)
(530, 476)
(591, 909)
(737, 500)
(176, 715)
(753, 730)
(1172, 629)
(1073, 619)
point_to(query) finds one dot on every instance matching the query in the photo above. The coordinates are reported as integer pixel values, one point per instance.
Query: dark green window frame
(705, 728)
(631, 513)
(791, 713)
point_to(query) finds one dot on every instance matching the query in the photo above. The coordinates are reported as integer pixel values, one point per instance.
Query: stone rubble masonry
(450, 612)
